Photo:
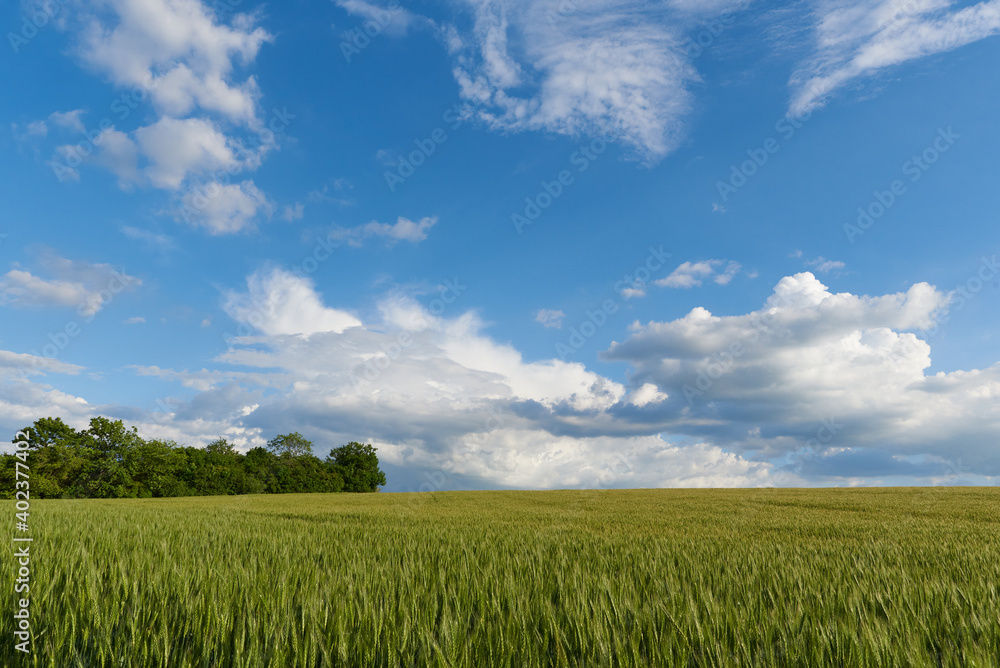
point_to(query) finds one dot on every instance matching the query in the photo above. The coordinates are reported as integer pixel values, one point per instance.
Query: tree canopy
(357, 464)
(110, 460)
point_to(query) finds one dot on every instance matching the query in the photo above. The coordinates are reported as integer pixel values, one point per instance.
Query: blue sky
(544, 245)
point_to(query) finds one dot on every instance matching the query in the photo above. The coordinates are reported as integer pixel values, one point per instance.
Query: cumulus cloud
(176, 148)
(182, 57)
(812, 386)
(403, 229)
(647, 393)
(73, 283)
(692, 274)
(857, 38)
(435, 393)
(278, 302)
(225, 209)
(178, 51)
(766, 381)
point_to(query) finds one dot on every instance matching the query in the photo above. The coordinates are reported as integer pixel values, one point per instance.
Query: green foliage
(290, 445)
(865, 578)
(110, 460)
(357, 464)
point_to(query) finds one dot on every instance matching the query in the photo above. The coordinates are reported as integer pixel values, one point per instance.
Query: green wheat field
(846, 577)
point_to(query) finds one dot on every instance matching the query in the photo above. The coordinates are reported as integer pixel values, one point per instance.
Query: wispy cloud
(601, 68)
(403, 229)
(70, 283)
(693, 274)
(294, 212)
(857, 38)
(550, 318)
(824, 266)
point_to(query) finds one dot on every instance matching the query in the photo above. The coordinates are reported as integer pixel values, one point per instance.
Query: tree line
(109, 460)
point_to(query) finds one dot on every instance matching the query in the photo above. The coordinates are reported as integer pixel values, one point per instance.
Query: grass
(853, 577)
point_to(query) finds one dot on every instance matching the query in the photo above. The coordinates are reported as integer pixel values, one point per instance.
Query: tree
(259, 464)
(357, 464)
(159, 465)
(290, 445)
(220, 446)
(59, 457)
(48, 431)
(113, 451)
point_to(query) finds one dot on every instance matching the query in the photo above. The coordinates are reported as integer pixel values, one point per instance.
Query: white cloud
(87, 287)
(293, 212)
(434, 392)
(138, 320)
(21, 288)
(37, 129)
(224, 209)
(183, 56)
(393, 21)
(67, 119)
(732, 268)
(177, 51)
(176, 148)
(118, 154)
(149, 238)
(646, 393)
(278, 302)
(824, 266)
(810, 355)
(598, 68)
(403, 230)
(20, 364)
(857, 38)
(528, 458)
(550, 318)
(692, 274)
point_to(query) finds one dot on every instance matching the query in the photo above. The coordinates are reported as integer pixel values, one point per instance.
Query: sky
(549, 244)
